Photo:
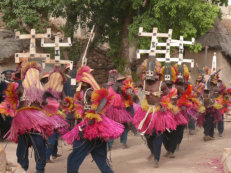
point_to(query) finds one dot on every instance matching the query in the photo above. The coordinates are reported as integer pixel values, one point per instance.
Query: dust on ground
(194, 156)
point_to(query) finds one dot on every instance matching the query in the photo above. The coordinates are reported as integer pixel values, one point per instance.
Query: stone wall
(223, 63)
(3, 161)
(97, 58)
(101, 64)
(8, 47)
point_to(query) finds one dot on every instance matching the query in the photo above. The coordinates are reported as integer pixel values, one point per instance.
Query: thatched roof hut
(218, 40)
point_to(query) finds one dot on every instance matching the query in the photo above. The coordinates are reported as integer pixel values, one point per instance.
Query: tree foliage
(22, 14)
(220, 2)
(190, 18)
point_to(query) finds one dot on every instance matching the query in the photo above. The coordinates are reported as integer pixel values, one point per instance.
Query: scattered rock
(226, 160)
(9, 46)
(14, 169)
(6, 167)
(3, 161)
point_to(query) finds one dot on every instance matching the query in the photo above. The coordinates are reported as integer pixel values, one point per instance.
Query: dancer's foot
(220, 135)
(55, 157)
(167, 154)
(192, 132)
(171, 155)
(49, 161)
(125, 146)
(208, 138)
(156, 163)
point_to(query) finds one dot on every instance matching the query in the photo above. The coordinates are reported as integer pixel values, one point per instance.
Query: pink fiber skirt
(158, 121)
(30, 120)
(59, 124)
(181, 118)
(106, 130)
(118, 114)
(216, 114)
(136, 107)
(193, 113)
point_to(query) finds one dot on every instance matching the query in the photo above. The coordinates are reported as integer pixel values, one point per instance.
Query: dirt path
(194, 156)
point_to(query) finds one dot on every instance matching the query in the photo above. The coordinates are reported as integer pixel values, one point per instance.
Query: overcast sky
(229, 2)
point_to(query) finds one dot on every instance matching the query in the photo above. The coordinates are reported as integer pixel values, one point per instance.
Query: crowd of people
(37, 108)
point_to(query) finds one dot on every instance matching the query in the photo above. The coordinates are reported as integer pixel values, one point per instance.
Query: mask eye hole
(149, 73)
(167, 77)
(180, 75)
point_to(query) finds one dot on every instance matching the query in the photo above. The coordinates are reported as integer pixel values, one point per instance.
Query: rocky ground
(194, 156)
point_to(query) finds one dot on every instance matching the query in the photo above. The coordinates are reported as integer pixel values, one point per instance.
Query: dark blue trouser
(220, 125)
(51, 148)
(131, 111)
(82, 148)
(180, 133)
(39, 145)
(173, 138)
(154, 143)
(5, 124)
(170, 140)
(191, 123)
(209, 125)
(123, 137)
(55, 151)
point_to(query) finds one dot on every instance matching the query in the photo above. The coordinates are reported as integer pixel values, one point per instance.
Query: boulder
(9, 46)
(226, 160)
(98, 60)
(6, 167)
(11, 168)
(3, 161)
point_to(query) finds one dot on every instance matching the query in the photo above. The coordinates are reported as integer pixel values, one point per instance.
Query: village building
(218, 40)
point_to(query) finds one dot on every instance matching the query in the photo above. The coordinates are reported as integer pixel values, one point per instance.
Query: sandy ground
(194, 156)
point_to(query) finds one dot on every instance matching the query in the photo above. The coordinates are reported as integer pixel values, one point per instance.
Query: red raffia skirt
(59, 124)
(105, 130)
(118, 114)
(181, 118)
(193, 112)
(216, 114)
(158, 121)
(29, 119)
(136, 107)
(117, 111)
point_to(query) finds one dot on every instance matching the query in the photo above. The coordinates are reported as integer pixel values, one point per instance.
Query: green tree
(69, 10)
(220, 2)
(188, 18)
(23, 15)
(117, 21)
(110, 17)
